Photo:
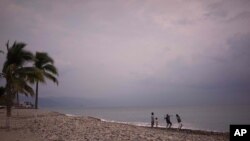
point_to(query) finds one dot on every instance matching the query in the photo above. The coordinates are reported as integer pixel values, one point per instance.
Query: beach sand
(41, 125)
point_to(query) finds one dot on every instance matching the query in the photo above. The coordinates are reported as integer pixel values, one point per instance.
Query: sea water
(210, 118)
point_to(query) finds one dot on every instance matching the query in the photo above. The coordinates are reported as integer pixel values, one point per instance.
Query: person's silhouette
(152, 119)
(169, 123)
(179, 121)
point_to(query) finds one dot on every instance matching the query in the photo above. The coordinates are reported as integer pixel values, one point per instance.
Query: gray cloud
(149, 51)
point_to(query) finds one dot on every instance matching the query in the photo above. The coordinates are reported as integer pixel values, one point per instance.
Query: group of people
(154, 121)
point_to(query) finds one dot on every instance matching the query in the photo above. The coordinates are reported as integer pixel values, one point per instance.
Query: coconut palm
(46, 64)
(18, 77)
(2, 93)
(2, 90)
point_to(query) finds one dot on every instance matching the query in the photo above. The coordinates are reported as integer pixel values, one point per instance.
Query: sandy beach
(41, 125)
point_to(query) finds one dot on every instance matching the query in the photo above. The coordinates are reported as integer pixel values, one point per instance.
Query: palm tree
(2, 94)
(46, 64)
(17, 75)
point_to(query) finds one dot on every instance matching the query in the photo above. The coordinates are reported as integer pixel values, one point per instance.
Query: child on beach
(152, 119)
(179, 121)
(169, 123)
(156, 122)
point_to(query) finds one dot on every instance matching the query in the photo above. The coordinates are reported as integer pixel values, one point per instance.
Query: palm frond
(2, 75)
(42, 58)
(7, 45)
(51, 77)
(45, 63)
(31, 74)
(19, 84)
(28, 90)
(17, 55)
(51, 69)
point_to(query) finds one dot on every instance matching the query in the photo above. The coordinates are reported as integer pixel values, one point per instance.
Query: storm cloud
(140, 52)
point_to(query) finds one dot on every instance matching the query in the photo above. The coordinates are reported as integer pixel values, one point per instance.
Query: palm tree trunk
(36, 102)
(17, 99)
(8, 109)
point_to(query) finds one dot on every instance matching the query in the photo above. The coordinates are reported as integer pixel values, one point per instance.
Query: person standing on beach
(152, 119)
(179, 121)
(156, 122)
(169, 123)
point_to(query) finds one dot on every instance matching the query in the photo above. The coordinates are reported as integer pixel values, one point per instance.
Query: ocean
(210, 118)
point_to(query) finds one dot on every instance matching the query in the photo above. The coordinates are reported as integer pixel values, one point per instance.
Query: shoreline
(161, 127)
(187, 130)
(50, 125)
(195, 119)
(148, 126)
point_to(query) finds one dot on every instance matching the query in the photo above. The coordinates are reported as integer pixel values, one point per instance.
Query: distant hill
(64, 102)
(59, 101)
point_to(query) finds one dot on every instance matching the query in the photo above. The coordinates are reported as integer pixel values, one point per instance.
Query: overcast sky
(138, 51)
